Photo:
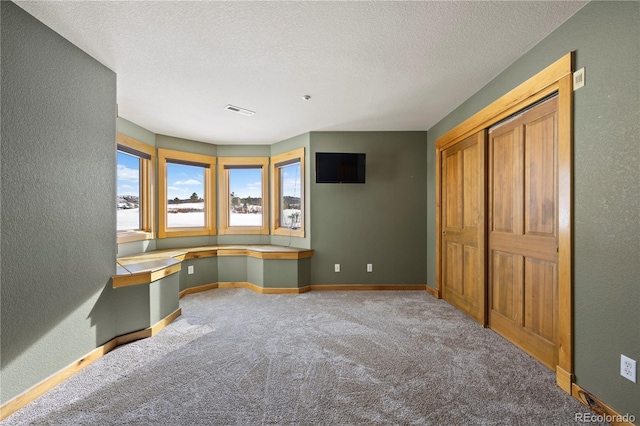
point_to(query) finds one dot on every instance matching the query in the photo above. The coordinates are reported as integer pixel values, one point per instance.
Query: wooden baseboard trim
(282, 290)
(132, 337)
(240, 284)
(305, 289)
(262, 290)
(39, 389)
(366, 287)
(157, 327)
(247, 285)
(433, 291)
(607, 413)
(197, 289)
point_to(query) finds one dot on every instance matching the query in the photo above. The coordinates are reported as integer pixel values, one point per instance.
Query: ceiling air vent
(239, 110)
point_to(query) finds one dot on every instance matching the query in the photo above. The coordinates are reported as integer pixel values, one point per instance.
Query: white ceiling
(367, 65)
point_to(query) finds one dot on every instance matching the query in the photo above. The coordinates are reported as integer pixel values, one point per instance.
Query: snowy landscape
(128, 218)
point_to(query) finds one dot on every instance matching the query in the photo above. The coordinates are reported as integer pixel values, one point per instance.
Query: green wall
(58, 188)
(606, 39)
(382, 222)
(205, 271)
(128, 128)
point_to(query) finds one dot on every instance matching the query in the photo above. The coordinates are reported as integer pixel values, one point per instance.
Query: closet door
(463, 226)
(523, 231)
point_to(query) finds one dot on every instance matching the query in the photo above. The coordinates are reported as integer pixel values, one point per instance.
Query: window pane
(185, 196)
(245, 193)
(290, 207)
(128, 194)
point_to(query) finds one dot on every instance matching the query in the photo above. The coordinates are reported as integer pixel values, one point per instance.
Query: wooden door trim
(564, 370)
(557, 77)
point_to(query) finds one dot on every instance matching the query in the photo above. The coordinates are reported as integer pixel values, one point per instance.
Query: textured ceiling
(366, 65)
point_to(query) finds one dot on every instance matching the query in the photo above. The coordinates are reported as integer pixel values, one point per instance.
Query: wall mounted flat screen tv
(340, 167)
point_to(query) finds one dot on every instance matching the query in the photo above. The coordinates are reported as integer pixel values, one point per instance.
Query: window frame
(224, 164)
(277, 162)
(145, 201)
(209, 165)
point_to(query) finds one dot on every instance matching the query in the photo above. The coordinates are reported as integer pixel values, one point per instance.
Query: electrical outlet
(336, 267)
(628, 368)
(369, 267)
(190, 270)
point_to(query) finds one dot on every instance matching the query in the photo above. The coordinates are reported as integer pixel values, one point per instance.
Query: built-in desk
(144, 268)
(148, 285)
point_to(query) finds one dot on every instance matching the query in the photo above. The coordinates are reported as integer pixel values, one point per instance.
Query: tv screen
(340, 167)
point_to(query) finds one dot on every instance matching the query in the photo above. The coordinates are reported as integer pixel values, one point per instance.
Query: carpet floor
(235, 357)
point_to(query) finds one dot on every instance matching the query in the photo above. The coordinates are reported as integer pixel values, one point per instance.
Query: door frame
(557, 77)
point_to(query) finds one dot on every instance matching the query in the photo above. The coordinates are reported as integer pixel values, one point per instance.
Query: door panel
(472, 282)
(453, 273)
(506, 181)
(540, 287)
(540, 177)
(470, 163)
(523, 231)
(453, 200)
(463, 231)
(505, 285)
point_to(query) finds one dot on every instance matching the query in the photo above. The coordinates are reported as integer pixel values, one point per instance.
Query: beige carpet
(322, 358)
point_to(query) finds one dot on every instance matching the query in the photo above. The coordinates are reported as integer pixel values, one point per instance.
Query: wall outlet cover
(628, 368)
(190, 269)
(336, 267)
